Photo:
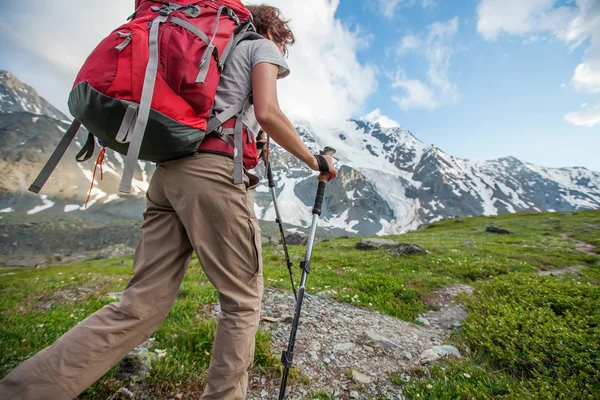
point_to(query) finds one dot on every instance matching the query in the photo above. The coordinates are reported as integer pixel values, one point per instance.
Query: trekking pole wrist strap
(322, 162)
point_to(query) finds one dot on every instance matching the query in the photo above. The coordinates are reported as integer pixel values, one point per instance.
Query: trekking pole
(287, 356)
(279, 222)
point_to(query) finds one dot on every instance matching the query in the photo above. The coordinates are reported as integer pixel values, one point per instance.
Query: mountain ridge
(390, 181)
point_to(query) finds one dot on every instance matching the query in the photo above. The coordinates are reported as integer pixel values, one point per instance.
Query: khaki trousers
(192, 205)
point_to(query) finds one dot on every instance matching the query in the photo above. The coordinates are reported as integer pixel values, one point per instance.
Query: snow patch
(72, 207)
(7, 210)
(46, 204)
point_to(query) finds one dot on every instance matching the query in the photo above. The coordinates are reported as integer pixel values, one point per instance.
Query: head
(269, 23)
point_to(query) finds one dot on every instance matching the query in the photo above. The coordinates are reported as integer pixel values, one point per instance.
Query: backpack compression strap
(145, 102)
(214, 125)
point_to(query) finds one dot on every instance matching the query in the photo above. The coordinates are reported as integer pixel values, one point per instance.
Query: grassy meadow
(526, 337)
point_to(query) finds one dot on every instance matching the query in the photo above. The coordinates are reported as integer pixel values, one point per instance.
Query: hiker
(192, 205)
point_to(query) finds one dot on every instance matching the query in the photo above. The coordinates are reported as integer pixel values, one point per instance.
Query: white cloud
(389, 7)
(511, 16)
(417, 94)
(574, 24)
(57, 38)
(436, 89)
(327, 81)
(408, 43)
(587, 78)
(376, 117)
(588, 116)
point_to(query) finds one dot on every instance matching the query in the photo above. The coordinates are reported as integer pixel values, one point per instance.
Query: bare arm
(272, 119)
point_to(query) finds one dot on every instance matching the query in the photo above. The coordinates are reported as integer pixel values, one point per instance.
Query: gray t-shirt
(236, 79)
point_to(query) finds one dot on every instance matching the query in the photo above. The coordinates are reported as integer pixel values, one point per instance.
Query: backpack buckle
(233, 16)
(165, 10)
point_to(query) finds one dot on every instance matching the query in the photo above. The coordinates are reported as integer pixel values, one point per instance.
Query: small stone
(423, 321)
(327, 360)
(354, 394)
(313, 355)
(468, 243)
(407, 355)
(126, 393)
(360, 377)
(428, 356)
(270, 319)
(379, 341)
(457, 324)
(447, 351)
(343, 346)
(369, 349)
(264, 393)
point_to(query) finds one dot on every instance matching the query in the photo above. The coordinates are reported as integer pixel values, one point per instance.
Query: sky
(480, 79)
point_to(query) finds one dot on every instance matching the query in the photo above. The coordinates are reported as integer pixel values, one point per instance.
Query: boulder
(296, 239)
(376, 244)
(407, 249)
(134, 368)
(499, 231)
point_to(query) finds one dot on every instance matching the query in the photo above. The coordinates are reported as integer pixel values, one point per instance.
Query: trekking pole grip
(321, 190)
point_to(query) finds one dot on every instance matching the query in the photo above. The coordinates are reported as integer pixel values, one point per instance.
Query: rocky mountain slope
(390, 182)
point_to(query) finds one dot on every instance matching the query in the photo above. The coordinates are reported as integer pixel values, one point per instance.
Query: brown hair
(267, 20)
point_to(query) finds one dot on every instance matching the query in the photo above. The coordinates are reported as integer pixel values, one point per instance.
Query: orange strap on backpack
(99, 162)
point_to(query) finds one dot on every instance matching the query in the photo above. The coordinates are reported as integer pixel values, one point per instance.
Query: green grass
(554, 319)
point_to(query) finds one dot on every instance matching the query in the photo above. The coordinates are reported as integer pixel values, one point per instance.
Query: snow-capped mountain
(30, 129)
(389, 182)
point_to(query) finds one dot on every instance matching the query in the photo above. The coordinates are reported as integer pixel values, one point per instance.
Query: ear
(269, 34)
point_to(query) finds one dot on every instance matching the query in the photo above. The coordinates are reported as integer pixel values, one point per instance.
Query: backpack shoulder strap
(245, 32)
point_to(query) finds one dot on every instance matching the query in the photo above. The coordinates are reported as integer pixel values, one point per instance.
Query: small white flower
(60, 273)
(40, 326)
(466, 375)
(429, 387)
(160, 353)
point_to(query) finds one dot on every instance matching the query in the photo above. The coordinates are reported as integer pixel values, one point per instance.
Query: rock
(22, 261)
(406, 355)
(499, 231)
(327, 360)
(379, 341)
(457, 324)
(468, 243)
(428, 356)
(313, 355)
(126, 393)
(115, 251)
(296, 239)
(407, 249)
(422, 321)
(343, 346)
(354, 394)
(447, 351)
(375, 244)
(270, 319)
(360, 377)
(135, 366)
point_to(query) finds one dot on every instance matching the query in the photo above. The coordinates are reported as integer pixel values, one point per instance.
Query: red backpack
(148, 89)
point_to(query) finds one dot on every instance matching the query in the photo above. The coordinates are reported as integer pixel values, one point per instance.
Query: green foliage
(541, 333)
(462, 380)
(540, 328)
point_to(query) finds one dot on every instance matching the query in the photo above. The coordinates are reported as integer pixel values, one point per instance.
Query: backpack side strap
(55, 158)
